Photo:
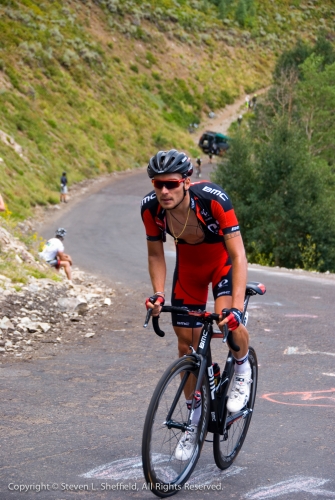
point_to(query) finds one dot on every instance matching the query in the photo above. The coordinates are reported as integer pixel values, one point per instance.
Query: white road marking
(210, 474)
(128, 469)
(329, 374)
(295, 275)
(300, 316)
(124, 469)
(253, 305)
(309, 485)
(295, 350)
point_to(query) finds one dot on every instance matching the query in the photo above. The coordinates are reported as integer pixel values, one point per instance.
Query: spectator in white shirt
(53, 253)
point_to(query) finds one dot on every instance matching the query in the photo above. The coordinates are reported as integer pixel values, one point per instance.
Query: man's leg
(188, 337)
(240, 390)
(67, 268)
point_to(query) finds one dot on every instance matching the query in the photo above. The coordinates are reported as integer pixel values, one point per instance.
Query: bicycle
(168, 417)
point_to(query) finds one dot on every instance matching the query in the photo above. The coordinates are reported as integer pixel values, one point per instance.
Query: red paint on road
(307, 398)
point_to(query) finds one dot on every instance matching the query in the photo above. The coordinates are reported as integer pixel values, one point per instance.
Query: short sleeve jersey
(51, 249)
(211, 205)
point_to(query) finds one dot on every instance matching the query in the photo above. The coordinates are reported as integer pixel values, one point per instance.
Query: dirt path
(225, 117)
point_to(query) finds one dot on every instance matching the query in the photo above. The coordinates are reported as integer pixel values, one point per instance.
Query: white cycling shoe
(186, 445)
(240, 392)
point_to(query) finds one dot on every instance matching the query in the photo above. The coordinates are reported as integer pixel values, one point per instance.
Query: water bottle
(216, 370)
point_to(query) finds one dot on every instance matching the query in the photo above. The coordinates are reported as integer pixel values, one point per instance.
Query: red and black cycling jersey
(211, 205)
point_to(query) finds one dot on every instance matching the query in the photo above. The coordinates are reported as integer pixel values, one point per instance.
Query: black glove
(234, 317)
(153, 299)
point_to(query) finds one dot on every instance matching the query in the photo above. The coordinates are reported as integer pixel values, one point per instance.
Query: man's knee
(187, 337)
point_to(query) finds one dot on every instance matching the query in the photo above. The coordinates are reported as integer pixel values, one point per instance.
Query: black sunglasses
(173, 184)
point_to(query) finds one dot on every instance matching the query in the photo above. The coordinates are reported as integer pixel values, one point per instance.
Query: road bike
(168, 417)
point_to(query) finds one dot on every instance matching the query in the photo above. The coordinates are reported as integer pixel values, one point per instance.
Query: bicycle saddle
(254, 287)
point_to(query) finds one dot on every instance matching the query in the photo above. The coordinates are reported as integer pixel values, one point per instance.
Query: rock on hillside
(34, 320)
(37, 318)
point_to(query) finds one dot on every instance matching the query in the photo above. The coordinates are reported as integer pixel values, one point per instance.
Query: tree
(281, 197)
(241, 13)
(316, 98)
(291, 59)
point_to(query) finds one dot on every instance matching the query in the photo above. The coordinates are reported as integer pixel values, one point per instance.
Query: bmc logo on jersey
(216, 192)
(148, 198)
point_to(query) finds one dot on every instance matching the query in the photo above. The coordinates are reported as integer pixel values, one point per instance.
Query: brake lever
(147, 318)
(225, 333)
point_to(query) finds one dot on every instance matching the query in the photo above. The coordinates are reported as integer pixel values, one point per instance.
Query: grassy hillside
(89, 87)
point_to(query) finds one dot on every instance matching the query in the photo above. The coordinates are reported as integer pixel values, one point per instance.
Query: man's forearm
(240, 271)
(157, 271)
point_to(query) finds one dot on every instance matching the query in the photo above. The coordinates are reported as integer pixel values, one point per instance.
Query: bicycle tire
(227, 446)
(164, 473)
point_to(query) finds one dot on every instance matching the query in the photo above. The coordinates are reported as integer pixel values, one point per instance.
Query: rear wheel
(165, 424)
(227, 446)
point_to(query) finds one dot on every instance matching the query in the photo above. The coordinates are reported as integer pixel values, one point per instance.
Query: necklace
(179, 235)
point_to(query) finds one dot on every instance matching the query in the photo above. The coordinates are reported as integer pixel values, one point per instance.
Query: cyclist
(209, 247)
(53, 253)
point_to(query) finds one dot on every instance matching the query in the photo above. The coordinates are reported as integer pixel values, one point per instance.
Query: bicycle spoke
(161, 466)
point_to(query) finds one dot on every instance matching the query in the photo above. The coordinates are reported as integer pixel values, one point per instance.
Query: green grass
(88, 89)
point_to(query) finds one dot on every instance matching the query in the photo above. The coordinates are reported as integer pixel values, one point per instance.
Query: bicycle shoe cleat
(186, 445)
(240, 392)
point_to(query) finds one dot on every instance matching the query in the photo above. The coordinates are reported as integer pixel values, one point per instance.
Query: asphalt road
(72, 425)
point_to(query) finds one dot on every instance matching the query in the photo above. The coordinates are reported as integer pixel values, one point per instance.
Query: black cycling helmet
(169, 162)
(61, 232)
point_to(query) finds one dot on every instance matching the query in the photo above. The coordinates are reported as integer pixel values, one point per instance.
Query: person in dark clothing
(63, 188)
(198, 167)
(254, 101)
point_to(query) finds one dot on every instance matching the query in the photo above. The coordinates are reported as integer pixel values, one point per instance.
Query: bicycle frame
(219, 421)
(203, 357)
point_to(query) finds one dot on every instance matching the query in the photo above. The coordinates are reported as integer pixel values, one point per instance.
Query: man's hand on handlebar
(231, 317)
(155, 302)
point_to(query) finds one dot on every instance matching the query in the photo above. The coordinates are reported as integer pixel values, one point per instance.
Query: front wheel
(165, 424)
(227, 446)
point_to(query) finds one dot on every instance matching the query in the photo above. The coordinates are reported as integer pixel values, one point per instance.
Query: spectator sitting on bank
(53, 253)
(63, 188)
(2, 204)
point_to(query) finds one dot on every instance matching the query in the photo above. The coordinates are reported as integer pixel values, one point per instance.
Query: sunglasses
(173, 184)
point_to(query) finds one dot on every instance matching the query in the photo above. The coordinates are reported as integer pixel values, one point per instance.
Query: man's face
(170, 196)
